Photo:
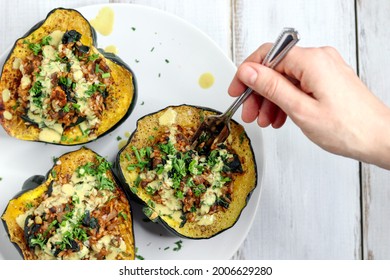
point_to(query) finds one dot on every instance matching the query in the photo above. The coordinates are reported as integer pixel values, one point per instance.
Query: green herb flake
(118, 138)
(75, 199)
(134, 190)
(179, 245)
(97, 69)
(133, 28)
(166, 60)
(93, 57)
(241, 137)
(39, 240)
(179, 194)
(137, 181)
(123, 215)
(46, 40)
(151, 203)
(66, 108)
(106, 75)
(55, 159)
(201, 116)
(137, 256)
(76, 106)
(29, 205)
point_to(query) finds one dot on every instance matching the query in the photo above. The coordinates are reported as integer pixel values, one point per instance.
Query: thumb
(273, 86)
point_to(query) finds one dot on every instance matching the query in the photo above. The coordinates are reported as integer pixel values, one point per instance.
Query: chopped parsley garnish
(133, 190)
(186, 182)
(93, 57)
(98, 170)
(36, 48)
(76, 106)
(29, 205)
(178, 245)
(195, 168)
(106, 75)
(168, 148)
(46, 40)
(97, 69)
(123, 215)
(138, 256)
(66, 108)
(36, 94)
(100, 87)
(38, 240)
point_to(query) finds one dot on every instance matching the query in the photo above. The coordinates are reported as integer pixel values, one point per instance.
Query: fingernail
(248, 75)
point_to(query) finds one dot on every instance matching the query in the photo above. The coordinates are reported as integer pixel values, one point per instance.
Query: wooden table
(314, 205)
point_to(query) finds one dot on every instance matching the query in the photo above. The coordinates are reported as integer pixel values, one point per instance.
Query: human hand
(323, 96)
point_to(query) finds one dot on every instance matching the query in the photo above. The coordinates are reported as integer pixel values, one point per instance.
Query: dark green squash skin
(119, 174)
(31, 183)
(37, 180)
(111, 56)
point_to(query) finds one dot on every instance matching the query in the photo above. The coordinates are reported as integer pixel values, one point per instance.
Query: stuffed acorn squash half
(193, 193)
(57, 87)
(78, 211)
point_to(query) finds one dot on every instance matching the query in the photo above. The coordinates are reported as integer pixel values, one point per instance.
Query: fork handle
(285, 41)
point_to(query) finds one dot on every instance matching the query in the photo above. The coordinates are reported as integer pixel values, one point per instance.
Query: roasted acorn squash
(57, 87)
(193, 193)
(78, 211)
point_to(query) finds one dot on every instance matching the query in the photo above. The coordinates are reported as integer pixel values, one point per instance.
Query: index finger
(292, 65)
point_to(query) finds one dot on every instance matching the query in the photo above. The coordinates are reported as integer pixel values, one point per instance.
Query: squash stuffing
(77, 212)
(57, 87)
(194, 193)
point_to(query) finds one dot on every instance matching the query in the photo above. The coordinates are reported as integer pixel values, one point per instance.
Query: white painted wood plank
(211, 17)
(15, 22)
(374, 62)
(310, 204)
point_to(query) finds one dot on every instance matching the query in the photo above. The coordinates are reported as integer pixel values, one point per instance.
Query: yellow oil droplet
(206, 80)
(121, 144)
(111, 49)
(104, 21)
(127, 134)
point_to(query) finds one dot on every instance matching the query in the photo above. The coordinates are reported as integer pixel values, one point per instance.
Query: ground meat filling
(184, 183)
(63, 84)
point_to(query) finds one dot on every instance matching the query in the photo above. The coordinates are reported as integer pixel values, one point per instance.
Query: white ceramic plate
(168, 55)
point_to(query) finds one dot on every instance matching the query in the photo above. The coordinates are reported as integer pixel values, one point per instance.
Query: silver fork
(216, 128)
